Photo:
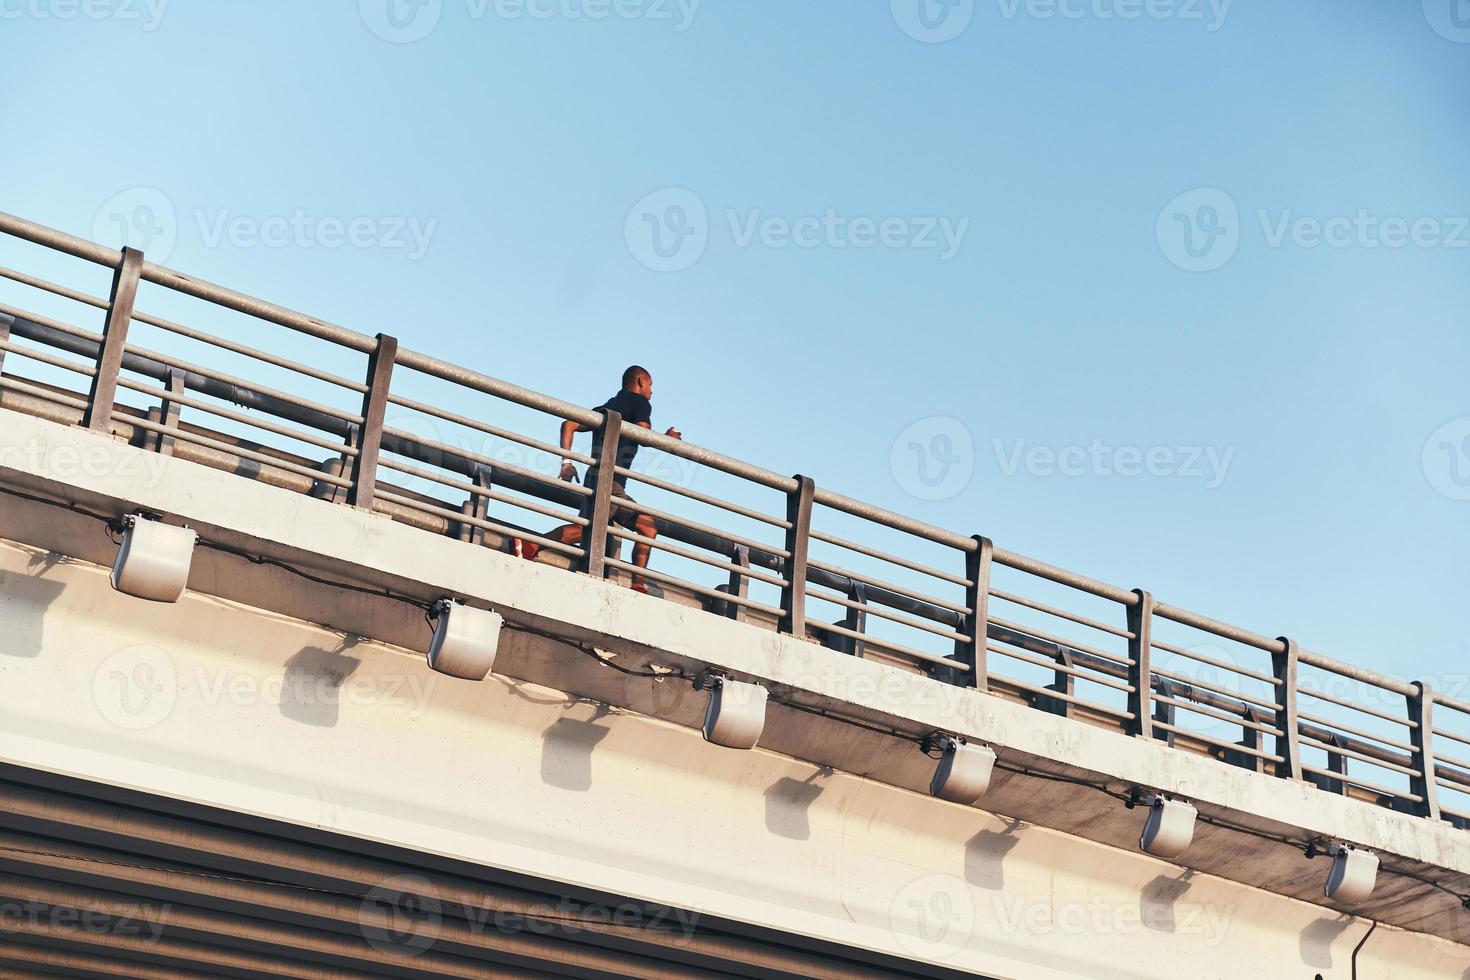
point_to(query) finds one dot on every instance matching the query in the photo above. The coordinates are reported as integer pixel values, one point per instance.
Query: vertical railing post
(1063, 682)
(971, 650)
(856, 620)
(1288, 739)
(340, 466)
(4, 338)
(1140, 667)
(167, 415)
(1424, 784)
(477, 506)
(370, 434)
(331, 492)
(798, 536)
(1250, 739)
(595, 537)
(100, 400)
(739, 584)
(1338, 763)
(1165, 711)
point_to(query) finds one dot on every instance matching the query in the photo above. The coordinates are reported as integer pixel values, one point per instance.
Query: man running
(634, 404)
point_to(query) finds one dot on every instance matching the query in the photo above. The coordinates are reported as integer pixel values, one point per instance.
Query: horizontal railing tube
(466, 378)
(1361, 674)
(887, 518)
(708, 457)
(148, 367)
(1063, 577)
(59, 240)
(1209, 699)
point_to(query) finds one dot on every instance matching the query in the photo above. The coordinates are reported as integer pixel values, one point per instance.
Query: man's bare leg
(568, 534)
(571, 535)
(641, 551)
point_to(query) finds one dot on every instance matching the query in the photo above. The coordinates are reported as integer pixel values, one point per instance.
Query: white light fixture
(964, 770)
(1169, 829)
(466, 640)
(737, 712)
(1354, 874)
(153, 562)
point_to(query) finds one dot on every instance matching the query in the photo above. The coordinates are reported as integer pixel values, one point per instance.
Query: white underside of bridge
(563, 769)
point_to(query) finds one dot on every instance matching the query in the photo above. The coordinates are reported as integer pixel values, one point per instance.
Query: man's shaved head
(634, 375)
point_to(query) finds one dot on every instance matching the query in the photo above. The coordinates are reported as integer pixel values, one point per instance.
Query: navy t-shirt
(635, 410)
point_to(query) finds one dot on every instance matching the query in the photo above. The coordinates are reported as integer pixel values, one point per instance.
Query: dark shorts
(622, 516)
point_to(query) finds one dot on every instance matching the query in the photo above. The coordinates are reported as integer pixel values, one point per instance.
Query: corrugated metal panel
(101, 882)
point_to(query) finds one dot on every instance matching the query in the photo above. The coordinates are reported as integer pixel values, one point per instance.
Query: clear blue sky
(1067, 316)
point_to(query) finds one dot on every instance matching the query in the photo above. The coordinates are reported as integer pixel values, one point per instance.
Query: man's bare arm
(569, 430)
(671, 432)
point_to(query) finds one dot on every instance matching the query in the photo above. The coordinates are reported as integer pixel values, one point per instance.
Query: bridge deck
(870, 629)
(869, 582)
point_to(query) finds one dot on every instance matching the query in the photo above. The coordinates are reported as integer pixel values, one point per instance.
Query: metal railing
(951, 605)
